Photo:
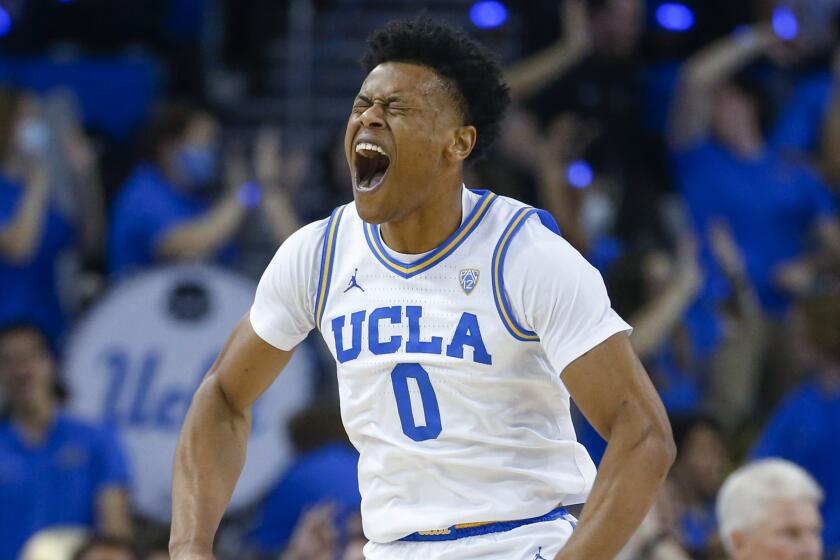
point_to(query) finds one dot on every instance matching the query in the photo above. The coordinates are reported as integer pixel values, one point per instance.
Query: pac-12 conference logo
(468, 279)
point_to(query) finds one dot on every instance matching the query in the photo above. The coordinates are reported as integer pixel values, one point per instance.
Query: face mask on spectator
(198, 164)
(33, 136)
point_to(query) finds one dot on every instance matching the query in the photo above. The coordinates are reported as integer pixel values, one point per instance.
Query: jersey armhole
(498, 267)
(326, 268)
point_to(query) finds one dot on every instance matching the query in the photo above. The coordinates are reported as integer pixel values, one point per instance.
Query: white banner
(141, 352)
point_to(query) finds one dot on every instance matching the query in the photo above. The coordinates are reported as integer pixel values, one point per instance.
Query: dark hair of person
(470, 72)
(821, 312)
(746, 83)
(99, 541)
(625, 280)
(9, 106)
(683, 425)
(316, 426)
(167, 125)
(15, 327)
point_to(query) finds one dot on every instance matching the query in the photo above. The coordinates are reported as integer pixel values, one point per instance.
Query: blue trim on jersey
(407, 270)
(473, 530)
(548, 221)
(327, 261)
(499, 296)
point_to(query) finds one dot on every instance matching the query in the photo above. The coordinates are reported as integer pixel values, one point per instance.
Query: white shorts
(537, 541)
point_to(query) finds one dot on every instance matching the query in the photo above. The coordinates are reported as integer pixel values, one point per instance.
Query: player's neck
(428, 227)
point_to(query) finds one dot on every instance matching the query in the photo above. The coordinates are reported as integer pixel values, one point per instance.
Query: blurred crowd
(699, 172)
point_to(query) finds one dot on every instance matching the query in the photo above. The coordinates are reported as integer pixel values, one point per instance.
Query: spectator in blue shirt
(33, 235)
(166, 211)
(725, 169)
(175, 207)
(324, 475)
(805, 427)
(54, 470)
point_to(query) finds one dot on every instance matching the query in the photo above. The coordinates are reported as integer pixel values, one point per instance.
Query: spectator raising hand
(280, 174)
(535, 73)
(315, 535)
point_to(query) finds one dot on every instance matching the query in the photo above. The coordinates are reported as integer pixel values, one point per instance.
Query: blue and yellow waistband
(462, 530)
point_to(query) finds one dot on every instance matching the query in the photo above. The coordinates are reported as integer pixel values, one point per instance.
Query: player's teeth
(370, 147)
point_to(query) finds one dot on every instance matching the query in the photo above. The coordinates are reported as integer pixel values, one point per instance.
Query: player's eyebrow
(390, 98)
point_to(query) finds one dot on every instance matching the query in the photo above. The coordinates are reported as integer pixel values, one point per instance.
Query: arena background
(690, 150)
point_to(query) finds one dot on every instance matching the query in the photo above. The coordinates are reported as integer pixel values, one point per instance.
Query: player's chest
(447, 312)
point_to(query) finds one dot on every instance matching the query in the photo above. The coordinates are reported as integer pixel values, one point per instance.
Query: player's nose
(373, 117)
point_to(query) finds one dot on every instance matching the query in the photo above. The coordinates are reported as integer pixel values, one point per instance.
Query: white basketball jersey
(447, 389)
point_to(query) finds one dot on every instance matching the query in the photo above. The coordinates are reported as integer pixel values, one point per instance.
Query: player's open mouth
(372, 163)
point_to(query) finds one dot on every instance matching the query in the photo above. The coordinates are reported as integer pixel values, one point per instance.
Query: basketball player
(461, 323)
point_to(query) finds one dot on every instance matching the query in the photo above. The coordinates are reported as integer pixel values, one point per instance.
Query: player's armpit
(610, 385)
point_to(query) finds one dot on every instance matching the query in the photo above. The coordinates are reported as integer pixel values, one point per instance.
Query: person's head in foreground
(769, 510)
(432, 98)
(105, 548)
(54, 544)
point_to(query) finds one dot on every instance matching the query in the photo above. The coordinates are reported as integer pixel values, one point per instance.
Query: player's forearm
(633, 468)
(208, 461)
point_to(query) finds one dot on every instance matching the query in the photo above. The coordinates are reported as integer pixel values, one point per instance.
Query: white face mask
(33, 136)
(597, 213)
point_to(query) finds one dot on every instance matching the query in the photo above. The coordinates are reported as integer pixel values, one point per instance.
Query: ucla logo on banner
(468, 278)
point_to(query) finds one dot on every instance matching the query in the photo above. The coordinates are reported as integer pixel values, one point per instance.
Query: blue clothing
(799, 126)
(146, 209)
(804, 430)
(328, 474)
(30, 291)
(770, 205)
(698, 528)
(57, 481)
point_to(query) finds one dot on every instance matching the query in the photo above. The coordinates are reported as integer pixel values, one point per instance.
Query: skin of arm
(534, 73)
(691, 111)
(112, 507)
(613, 391)
(219, 419)
(203, 236)
(19, 239)
(657, 319)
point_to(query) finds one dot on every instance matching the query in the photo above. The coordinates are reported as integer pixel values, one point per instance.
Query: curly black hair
(468, 69)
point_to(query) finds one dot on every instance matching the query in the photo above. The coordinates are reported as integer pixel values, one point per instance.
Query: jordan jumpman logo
(354, 284)
(540, 556)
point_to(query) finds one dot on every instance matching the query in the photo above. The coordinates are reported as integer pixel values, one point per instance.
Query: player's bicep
(247, 366)
(609, 385)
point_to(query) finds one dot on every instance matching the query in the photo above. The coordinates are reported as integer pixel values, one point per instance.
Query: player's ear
(463, 142)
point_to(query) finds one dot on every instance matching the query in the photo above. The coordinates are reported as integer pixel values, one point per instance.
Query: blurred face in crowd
(407, 111)
(702, 460)
(618, 25)
(27, 368)
(735, 119)
(789, 530)
(29, 132)
(107, 552)
(195, 159)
